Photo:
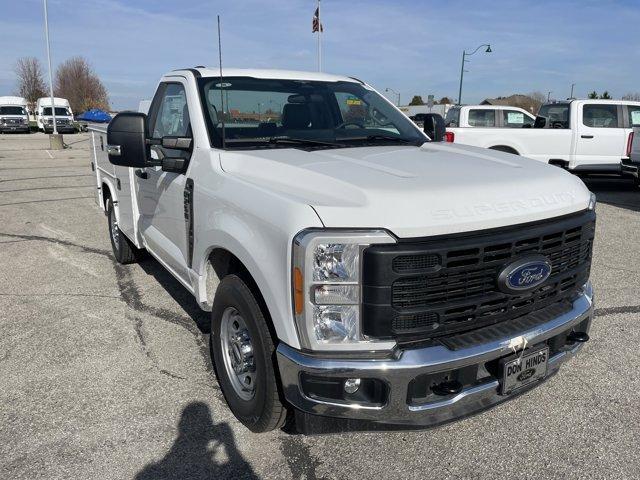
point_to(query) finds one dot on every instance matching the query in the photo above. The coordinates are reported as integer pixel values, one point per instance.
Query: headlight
(326, 288)
(592, 201)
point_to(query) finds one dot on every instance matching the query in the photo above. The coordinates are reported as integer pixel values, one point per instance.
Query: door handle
(142, 174)
(586, 136)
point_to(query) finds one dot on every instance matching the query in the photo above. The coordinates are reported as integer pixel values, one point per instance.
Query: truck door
(600, 139)
(161, 194)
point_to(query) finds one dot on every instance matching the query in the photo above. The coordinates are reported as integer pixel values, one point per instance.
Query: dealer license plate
(518, 372)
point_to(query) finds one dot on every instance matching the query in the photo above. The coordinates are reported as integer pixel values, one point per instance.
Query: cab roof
(270, 74)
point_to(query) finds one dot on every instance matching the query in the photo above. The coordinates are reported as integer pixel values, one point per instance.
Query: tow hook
(447, 388)
(579, 337)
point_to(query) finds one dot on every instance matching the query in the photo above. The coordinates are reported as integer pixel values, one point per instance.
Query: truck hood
(412, 191)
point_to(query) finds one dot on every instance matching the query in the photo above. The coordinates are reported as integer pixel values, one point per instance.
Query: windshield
(12, 111)
(270, 113)
(555, 115)
(60, 111)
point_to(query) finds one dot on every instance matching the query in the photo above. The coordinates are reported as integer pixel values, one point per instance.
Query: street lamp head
(488, 50)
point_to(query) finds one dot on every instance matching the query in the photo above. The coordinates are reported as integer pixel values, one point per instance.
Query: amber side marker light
(298, 297)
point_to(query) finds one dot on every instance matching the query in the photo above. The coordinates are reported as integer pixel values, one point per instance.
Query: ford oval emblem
(524, 274)
(526, 375)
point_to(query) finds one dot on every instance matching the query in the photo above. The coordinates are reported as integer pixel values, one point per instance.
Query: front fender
(258, 228)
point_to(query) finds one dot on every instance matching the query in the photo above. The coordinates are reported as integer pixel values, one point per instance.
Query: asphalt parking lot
(106, 374)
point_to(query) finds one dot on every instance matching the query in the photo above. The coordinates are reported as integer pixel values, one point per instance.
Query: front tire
(243, 356)
(123, 250)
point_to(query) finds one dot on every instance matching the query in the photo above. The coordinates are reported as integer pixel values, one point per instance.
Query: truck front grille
(428, 288)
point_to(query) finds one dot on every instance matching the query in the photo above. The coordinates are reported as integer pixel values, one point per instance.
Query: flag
(316, 25)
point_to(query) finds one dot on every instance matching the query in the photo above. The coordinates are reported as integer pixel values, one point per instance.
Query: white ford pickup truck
(587, 136)
(353, 267)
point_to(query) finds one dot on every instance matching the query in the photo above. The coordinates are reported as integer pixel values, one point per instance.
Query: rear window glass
(634, 115)
(600, 116)
(555, 115)
(482, 118)
(453, 118)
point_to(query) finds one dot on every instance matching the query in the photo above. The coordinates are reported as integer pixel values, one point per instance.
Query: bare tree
(632, 96)
(537, 99)
(77, 82)
(31, 84)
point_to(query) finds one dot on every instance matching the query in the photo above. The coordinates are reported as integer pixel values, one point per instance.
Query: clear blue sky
(412, 46)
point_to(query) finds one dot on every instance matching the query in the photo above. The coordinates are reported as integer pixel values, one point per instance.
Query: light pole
(464, 56)
(393, 91)
(549, 96)
(55, 140)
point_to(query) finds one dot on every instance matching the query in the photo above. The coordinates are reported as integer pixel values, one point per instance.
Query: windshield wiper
(379, 136)
(284, 140)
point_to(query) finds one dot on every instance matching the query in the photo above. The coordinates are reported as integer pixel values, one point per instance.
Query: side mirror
(127, 140)
(434, 126)
(540, 122)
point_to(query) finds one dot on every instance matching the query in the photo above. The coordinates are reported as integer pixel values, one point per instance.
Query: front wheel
(243, 357)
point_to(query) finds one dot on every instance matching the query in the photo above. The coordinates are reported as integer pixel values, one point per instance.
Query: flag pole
(319, 39)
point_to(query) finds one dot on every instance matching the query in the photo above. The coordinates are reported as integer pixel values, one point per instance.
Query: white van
(64, 115)
(14, 116)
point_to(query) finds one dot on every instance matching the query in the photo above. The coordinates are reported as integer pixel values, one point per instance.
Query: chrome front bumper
(398, 372)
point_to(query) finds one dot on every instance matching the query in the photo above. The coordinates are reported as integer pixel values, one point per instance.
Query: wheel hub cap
(114, 229)
(237, 353)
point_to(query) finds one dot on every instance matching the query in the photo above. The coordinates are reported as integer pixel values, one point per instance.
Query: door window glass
(600, 116)
(172, 118)
(634, 115)
(516, 119)
(482, 118)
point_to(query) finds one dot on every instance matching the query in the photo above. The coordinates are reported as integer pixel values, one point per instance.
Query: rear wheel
(243, 356)
(123, 250)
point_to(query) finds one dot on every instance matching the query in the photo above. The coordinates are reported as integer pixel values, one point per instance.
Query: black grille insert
(440, 286)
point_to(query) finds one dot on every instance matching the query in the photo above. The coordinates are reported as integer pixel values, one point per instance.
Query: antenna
(221, 83)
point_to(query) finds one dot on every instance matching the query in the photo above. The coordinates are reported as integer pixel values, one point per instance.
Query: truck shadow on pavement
(180, 294)
(615, 191)
(202, 450)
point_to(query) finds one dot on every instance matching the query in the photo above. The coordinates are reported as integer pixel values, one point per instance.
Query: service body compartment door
(126, 202)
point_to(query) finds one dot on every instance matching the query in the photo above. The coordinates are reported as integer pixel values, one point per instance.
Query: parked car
(353, 268)
(579, 135)
(631, 166)
(63, 115)
(14, 116)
